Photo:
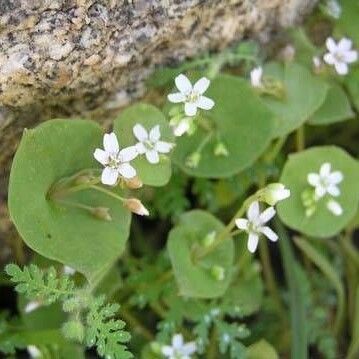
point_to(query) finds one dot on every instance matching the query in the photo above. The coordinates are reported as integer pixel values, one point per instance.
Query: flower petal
(329, 58)
(267, 215)
(128, 154)
(141, 148)
(333, 190)
(101, 156)
(183, 84)
(177, 341)
(190, 109)
(140, 132)
(325, 169)
(109, 176)
(181, 128)
(269, 233)
(201, 85)
(110, 143)
(242, 223)
(313, 179)
(331, 44)
(351, 56)
(163, 147)
(167, 351)
(176, 97)
(320, 191)
(341, 68)
(127, 171)
(252, 242)
(345, 44)
(205, 103)
(155, 133)
(253, 211)
(189, 348)
(334, 207)
(336, 177)
(152, 156)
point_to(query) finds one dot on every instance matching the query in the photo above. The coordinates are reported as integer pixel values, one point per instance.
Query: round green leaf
(57, 149)
(304, 94)
(243, 124)
(148, 116)
(294, 176)
(195, 279)
(336, 108)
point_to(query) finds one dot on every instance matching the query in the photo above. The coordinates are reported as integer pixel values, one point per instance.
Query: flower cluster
(325, 185)
(193, 98)
(117, 162)
(179, 349)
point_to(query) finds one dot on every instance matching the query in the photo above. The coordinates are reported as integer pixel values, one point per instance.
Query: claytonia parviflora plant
(340, 54)
(192, 96)
(255, 226)
(179, 349)
(149, 143)
(115, 161)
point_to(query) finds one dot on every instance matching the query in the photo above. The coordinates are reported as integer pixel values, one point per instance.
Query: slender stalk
(300, 139)
(212, 350)
(109, 193)
(75, 205)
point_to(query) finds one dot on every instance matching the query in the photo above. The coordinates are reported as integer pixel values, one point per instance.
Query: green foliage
(148, 116)
(240, 121)
(64, 233)
(303, 94)
(322, 223)
(106, 332)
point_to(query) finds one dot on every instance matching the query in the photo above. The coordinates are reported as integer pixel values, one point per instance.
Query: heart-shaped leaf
(322, 223)
(196, 279)
(57, 149)
(148, 116)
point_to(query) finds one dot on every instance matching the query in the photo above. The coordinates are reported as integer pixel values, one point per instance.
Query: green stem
(273, 152)
(212, 350)
(300, 139)
(75, 205)
(109, 193)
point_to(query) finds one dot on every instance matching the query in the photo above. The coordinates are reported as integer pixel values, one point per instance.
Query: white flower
(33, 351)
(255, 225)
(69, 270)
(274, 193)
(326, 181)
(334, 207)
(179, 349)
(256, 77)
(333, 8)
(340, 54)
(150, 144)
(116, 162)
(31, 306)
(192, 96)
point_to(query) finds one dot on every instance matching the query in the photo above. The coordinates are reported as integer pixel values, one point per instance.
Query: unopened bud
(274, 192)
(74, 330)
(133, 183)
(102, 213)
(136, 206)
(209, 239)
(192, 160)
(334, 207)
(221, 150)
(218, 272)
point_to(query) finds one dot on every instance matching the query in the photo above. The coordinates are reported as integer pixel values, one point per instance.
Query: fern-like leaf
(35, 283)
(105, 332)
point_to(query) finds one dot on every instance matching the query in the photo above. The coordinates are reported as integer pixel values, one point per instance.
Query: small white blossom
(254, 225)
(33, 351)
(333, 8)
(334, 207)
(274, 193)
(150, 144)
(69, 270)
(181, 127)
(340, 54)
(256, 77)
(31, 306)
(192, 96)
(116, 161)
(326, 181)
(179, 349)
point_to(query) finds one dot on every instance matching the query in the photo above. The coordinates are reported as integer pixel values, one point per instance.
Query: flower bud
(192, 160)
(133, 183)
(209, 239)
(218, 272)
(102, 213)
(73, 330)
(274, 193)
(221, 150)
(334, 207)
(135, 206)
